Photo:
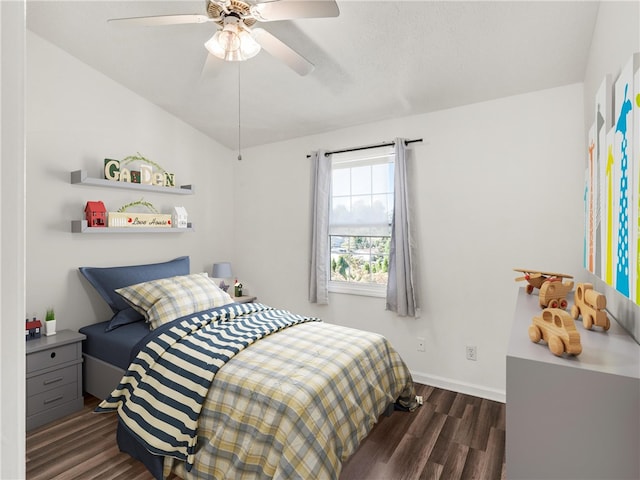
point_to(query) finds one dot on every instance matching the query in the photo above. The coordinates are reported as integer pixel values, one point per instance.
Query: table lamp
(222, 270)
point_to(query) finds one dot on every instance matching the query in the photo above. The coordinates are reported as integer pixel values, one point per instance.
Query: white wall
(12, 241)
(498, 185)
(76, 117)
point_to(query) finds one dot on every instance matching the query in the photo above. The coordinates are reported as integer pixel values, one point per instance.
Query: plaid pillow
(164, 300)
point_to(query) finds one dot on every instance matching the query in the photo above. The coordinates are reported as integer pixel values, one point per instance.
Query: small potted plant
(50, 322)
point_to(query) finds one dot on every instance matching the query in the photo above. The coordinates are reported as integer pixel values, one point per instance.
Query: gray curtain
(401, 285)
(319, 273)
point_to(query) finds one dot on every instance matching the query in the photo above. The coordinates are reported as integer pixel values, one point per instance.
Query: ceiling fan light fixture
(214, 47)
(233, 43)
(248, 46)
(228, 38)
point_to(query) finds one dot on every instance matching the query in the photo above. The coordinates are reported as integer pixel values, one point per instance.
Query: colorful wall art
(612, 183)
(609, 213)
(635, 129)
(602, 125)
(590, 198)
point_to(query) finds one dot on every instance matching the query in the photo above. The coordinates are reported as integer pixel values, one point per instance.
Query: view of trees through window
(360, 259)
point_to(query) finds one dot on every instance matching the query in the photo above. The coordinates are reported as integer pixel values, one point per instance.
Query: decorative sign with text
(123, 218)
(137, 169)
(132, 220)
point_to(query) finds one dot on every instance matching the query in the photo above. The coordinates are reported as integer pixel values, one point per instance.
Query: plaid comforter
(160, 396)
(296, 404)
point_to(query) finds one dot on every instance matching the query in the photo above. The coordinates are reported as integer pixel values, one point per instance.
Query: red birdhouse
(96, 214)
(33, 329)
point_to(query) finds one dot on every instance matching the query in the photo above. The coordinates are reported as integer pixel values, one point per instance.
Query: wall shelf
(81, 226)
(79, 177)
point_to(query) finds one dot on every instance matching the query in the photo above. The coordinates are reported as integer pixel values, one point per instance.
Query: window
(360, 221)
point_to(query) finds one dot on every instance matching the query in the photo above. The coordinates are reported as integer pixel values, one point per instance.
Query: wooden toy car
(557, 328)
(553, 293)
(590, 304)
(536, 278)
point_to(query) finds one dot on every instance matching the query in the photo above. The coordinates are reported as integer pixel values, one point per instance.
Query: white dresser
(572, 417)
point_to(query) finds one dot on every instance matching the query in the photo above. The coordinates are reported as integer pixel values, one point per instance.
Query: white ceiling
(377, 60)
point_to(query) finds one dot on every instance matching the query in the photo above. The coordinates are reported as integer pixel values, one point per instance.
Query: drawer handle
(53, 380)
(54, 399)
(53, 354)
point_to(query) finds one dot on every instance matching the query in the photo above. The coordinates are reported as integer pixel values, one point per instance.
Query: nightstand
(244, 299)
(54, 377)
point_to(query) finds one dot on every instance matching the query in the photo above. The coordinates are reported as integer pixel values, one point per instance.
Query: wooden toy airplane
(536, 278)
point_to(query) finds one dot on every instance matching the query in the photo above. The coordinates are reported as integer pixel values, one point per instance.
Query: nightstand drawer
(51, 357)
(48, 381)
(51, 398)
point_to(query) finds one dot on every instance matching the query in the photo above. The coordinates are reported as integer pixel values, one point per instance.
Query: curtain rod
(355, 149)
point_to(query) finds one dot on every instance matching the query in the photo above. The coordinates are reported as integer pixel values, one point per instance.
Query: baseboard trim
(460, 387)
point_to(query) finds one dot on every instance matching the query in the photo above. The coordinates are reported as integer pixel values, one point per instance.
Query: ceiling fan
(235, 39)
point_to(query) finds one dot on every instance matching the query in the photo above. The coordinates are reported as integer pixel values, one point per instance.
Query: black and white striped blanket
(160, 396)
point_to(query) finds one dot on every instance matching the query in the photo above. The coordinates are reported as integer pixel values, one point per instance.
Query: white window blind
(362, 193)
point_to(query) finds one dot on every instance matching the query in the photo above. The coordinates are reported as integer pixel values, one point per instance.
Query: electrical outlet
(420, 345)
(472, 353)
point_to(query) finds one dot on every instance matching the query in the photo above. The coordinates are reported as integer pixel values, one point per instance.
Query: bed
(231, 390)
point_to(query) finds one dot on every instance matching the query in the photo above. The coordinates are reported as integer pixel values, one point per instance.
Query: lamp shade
(232, 43)
(222, 270)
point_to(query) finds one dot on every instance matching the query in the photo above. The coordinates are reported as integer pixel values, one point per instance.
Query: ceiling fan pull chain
(239, 134)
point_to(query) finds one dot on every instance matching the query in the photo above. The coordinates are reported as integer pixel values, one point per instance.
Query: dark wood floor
(452, 436)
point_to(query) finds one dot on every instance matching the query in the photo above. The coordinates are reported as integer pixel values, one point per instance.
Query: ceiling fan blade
(161, 20)
(282, 51)
(292, 9)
